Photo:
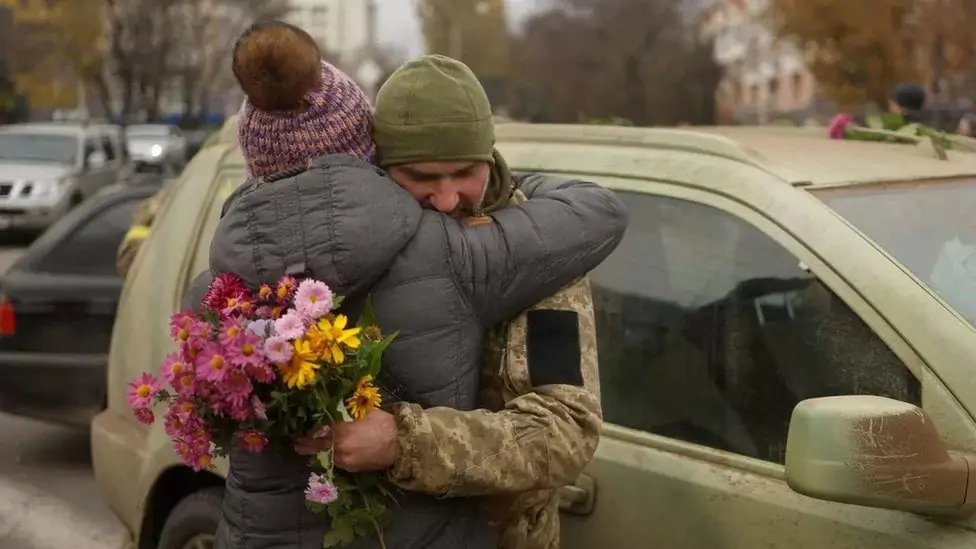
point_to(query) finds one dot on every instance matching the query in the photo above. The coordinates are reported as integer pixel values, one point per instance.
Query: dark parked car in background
(57, 308)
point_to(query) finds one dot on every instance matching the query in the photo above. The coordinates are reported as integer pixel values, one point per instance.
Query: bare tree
(640, 60)
(208, 30)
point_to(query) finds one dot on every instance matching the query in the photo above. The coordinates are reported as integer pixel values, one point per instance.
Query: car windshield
(25, 147)
(927, 226)
(148, 131)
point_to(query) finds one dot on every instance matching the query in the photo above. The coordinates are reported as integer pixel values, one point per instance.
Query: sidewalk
(32, 519)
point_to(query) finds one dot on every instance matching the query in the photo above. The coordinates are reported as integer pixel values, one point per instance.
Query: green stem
(372, 519)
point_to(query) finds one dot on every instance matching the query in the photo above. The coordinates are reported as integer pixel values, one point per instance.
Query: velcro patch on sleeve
(552, 344)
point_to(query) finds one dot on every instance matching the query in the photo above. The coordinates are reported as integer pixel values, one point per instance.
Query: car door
(710, 331)
(64, 294)
(96, 174)
(114, 161)
(227, 180)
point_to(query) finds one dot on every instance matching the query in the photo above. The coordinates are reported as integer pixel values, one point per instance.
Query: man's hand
(369, 444)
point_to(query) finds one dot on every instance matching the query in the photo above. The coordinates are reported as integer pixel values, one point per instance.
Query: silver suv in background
(48, 168)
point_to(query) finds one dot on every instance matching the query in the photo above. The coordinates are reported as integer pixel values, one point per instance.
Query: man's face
(894, 107)
(455, 188)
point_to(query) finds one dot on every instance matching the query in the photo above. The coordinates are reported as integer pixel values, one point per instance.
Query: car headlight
(156, 150)
(51, 188)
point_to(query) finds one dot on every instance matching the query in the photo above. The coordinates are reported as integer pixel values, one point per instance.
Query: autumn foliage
(595, 60)
(856, 50)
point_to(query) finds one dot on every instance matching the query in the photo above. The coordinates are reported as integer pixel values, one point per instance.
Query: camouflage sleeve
(543, 437)
(138, 231)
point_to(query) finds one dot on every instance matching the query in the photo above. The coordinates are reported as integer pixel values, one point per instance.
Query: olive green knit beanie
(433, 109)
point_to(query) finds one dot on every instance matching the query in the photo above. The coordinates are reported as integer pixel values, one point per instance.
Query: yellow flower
(331, 338)
(365, 399)
(300, 370)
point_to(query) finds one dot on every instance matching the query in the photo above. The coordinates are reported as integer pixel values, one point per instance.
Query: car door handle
(578, 498)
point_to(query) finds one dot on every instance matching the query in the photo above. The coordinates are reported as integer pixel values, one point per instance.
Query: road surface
(48, 497)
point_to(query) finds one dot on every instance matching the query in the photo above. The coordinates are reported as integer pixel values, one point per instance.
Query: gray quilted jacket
(437, 281)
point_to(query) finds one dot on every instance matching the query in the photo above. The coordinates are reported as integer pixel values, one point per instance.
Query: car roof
(59, 128)
(798, 156)
(160, 126)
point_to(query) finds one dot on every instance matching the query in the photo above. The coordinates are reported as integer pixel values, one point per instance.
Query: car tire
(194, 516)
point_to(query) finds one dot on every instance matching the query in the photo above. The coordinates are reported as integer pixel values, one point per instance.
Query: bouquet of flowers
(892, 128)
(267, 367)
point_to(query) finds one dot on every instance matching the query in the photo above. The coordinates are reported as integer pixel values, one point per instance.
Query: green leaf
(340, 533)
(875, 122)
(341, 408)
(912, 129)
(376, 354)
(211, 316)
(367, 317)
(892, 121)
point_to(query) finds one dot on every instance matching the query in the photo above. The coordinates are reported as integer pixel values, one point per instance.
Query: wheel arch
(172, 486)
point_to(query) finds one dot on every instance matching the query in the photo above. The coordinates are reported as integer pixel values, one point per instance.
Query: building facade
(346, 30)
(765, 80)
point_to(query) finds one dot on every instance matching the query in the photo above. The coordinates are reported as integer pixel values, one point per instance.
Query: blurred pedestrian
(142, 220)
(967, 124)
(908, 100)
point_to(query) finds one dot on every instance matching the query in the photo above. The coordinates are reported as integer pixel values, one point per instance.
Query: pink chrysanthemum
(180, 324)
(247, 350)
(212, 364)
(175, 424)
(278, 349)
(186, 385)
(190, 349)
(290, 326)
(143, 390)
(231, 330)
(236, 388)
(252, 440)
(285, 289)
(201, 330)
(262, 373)
(313, 299)
(320, 490)
(145, 416)
(192, 454)
(238, 305)
(173, 368)
(222, 287)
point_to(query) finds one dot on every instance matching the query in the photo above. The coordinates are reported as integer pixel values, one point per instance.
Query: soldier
(541, 416)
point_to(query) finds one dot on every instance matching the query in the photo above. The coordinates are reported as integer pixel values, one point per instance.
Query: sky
(398, 23)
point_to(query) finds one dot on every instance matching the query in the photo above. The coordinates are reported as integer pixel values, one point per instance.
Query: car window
(711, 332)
(40, 147)
(108, 148)
(91, 248)
(227, 182)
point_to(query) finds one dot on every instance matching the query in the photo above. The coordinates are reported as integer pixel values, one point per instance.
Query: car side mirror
(876, 452)
(96, 160)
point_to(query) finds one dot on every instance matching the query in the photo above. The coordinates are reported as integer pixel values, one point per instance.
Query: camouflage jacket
(142, 220)
(526, 442)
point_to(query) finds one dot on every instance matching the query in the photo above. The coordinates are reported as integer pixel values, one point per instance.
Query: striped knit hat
(298, 106)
